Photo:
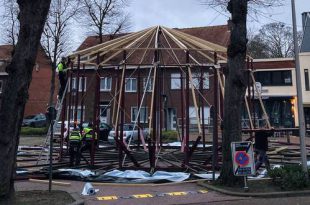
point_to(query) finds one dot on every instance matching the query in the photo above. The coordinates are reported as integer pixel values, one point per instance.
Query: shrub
(289, 177)
(170, 136)
(33, 131)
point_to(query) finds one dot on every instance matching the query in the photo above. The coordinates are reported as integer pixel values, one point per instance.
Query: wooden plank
(152, 101)
(97, 47)
(260, 101)
(144, 36)
(248, 111)
(277, 150)
(198, 41)
(194, 99)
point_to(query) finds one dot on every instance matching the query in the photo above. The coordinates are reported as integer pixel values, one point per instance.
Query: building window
(193, 115)
(79, 112)
(143, 114)
(1, 86)
(197, 79)
(82, 81)
(274, 78)
(105, 83)
(74, 84)
(131, 85)
(175, 81)
(147, 84)
(307, 86)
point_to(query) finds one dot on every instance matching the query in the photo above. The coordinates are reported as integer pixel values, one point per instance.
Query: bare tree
(236, 80)
(56, 35)
(106, 16)
(9, 21)
(274, 40)
(256, 47)
(32, 18)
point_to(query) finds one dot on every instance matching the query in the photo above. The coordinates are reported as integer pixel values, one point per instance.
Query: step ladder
(44, 153)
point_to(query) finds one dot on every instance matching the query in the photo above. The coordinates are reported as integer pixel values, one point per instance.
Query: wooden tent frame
(128, 45)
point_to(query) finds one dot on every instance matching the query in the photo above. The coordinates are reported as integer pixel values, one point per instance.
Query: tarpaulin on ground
(77, 174)
(116, 176)
(131, 176)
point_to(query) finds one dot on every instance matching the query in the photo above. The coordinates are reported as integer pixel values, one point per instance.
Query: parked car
(104, 130)
(38, 120)
(128, 132)
(57, 130)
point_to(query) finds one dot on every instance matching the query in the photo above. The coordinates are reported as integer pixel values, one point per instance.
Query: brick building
(39, 89)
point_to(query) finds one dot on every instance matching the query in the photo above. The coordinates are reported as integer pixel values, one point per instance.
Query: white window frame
(175, 81)
(1, 86)
(105, 82)
(74, 83)
(150, 85)
(142, 117)
(80, 84)
(130, 80)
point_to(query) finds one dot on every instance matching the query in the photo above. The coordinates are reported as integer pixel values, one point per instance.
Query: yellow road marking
(203, 191)
(177, 193)
(141, 196)
(105, 198)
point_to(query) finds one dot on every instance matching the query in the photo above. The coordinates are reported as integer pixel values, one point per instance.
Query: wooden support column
(182, 106)
(252, 98)
(122, 110)
(77, 91)
(187, 112)
(202, 108)
(154, 113)
(160, 109)
(192, 149)
(83, 92)
(138, 103)
(95, 114)
(115, 102)
(70, 102)
(215, 118)
(63, 118)
(248, 99)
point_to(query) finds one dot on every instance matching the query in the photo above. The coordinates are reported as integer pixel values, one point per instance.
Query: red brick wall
(39, 89)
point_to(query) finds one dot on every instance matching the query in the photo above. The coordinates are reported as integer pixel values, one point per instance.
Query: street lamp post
(301, 119)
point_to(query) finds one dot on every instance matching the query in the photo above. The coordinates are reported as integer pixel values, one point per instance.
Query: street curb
(77, 198)
(263, 195)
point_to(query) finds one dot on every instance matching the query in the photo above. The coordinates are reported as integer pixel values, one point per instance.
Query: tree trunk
(32, 17)
(235, 87)
(100, 35)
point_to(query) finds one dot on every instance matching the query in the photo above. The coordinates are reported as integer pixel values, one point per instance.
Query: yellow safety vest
(88, 133)
(61, 67)
(75, 136)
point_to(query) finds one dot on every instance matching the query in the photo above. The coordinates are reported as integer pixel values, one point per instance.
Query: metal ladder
(58, 107)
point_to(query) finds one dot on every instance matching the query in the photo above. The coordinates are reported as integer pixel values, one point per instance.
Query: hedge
(33, 131)
(170, 136)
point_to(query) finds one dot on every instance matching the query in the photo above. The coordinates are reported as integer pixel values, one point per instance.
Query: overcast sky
(191, 13)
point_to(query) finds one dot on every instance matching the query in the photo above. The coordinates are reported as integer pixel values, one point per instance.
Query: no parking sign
(243, 158)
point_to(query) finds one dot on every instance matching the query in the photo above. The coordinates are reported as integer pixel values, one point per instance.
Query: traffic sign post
(243, 159)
